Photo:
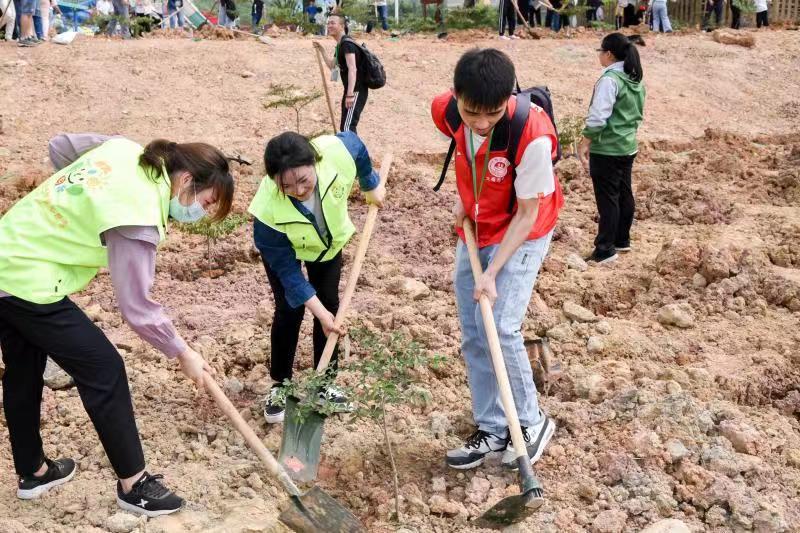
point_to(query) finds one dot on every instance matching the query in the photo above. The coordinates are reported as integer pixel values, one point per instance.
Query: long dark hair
(624, 50)
(287, 151)
(207, 165)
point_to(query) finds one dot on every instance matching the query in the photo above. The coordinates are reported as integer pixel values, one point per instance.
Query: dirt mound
(740, 38)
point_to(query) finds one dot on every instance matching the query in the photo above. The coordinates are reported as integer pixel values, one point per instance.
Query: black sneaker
(28, 42)
(623, 247)
(58, 472)
(536, 439)
(475, 449)
(149, 497)
(601, 257)
(334, 394)
(274, 410)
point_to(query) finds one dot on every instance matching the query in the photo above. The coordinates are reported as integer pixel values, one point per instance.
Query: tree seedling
(388, 373)
(280, 95)
(214, 230)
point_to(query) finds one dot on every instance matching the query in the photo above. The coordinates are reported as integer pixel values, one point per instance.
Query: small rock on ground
(669, 525)
(55, 378)
(577, 313)
(679, 315)
(121, 522)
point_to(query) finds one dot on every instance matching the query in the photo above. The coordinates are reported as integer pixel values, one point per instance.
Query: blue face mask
(186, 213)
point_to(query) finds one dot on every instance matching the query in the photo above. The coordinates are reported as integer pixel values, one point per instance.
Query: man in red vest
(514, 206)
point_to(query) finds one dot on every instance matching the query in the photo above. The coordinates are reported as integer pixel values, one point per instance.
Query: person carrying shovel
(106, 208)
(513, 206)
(301, 215)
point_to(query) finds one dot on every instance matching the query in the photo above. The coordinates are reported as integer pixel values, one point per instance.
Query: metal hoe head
(317, 512)
(515, 509)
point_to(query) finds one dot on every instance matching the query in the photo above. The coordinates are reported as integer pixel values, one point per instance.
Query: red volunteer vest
(495, 197)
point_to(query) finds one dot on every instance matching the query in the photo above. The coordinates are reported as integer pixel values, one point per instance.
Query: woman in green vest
(609, 144)
(106, 208)
(301, 215)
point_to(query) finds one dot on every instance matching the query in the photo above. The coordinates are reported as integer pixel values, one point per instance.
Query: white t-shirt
(314, 204)
(535, 171)
(104, 7)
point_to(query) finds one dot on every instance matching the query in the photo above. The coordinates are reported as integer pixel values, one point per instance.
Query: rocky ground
(681, 392)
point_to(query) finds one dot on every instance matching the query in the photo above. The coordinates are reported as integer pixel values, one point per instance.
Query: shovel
(513, 509)
(300, 442)
(312, 512)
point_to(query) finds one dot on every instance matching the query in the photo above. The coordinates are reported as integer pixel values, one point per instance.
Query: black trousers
(611, 178)
(350, 117)
(716, 8)
(762, 19)
(324, 277)
(736, 16)
(508, 17)
(28, 334)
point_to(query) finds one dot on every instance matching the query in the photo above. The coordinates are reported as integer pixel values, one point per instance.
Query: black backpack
(373, 75)
(540, 96)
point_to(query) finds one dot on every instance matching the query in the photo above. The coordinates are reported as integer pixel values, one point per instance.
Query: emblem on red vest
(498, 169)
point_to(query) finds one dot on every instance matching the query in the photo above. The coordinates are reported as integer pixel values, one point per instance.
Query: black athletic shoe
(149, 497)
(58, 472)
(623, 247)
(601, 257)
(274, 410)
(475, 449)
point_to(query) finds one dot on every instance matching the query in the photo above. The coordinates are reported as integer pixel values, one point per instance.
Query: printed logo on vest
(338, 191)
(498, 169)
(85, 175)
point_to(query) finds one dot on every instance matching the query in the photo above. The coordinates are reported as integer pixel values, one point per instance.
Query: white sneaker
(475, 449)
(536, 439)
(505, 38)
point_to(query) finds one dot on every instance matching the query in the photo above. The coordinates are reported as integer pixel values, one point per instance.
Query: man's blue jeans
(514, 289)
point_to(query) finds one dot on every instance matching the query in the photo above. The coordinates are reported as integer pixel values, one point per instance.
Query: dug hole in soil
(681, 392)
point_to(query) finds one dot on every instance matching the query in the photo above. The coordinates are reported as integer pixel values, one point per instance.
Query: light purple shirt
(131, 261)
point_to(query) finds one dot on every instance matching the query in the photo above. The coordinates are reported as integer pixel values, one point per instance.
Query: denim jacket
(277, 251)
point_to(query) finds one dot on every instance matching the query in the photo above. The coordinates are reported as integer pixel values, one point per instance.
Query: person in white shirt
(762, 12)
(103, 7)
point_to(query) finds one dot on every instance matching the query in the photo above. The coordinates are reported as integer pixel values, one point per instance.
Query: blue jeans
(514, 289)
(555, 23)
(383, 15)
(660, 17)
(222, 18)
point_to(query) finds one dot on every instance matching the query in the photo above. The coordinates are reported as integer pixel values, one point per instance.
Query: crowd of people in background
(31, 22)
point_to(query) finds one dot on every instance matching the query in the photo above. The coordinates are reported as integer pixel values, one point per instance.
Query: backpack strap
(518, 122)
(453, 120)
(447, 159)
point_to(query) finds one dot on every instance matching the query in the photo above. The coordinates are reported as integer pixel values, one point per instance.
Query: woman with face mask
(301, 215)
(107, 207)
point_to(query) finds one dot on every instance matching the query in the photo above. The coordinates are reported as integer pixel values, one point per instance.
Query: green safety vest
(336, 172)
(50, 240)
(618, 136)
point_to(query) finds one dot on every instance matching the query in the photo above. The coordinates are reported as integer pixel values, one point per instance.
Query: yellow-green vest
(336, 172)
(50, 240)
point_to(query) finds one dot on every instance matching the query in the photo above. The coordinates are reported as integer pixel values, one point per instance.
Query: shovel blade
(300, 444)
(511, 510)
(317, 512)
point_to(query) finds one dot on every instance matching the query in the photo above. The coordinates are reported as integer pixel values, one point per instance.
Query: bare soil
(699, 424)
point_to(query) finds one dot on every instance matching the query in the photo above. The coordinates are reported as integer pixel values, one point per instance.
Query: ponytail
(207, 165)
(624, 50)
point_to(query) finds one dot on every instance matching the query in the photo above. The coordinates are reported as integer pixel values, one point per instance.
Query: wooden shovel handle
(250, 436)
(318, 54)
(506, 397)
(355, 270)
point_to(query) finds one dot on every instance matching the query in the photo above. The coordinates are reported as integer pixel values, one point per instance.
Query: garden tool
(516, 508)
(318, 55)
(546, 368)
(301, 440)
(312, 512)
